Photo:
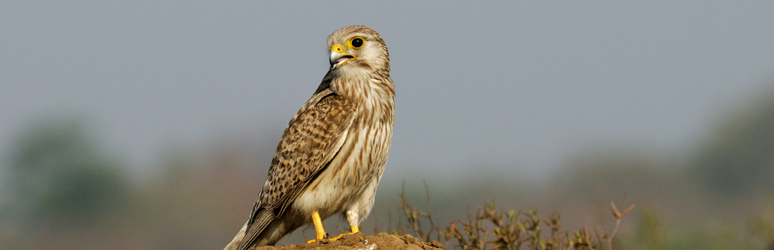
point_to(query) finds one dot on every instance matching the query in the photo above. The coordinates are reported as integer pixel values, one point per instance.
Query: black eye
(357, 42)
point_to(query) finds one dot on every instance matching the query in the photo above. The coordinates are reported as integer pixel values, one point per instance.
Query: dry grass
(490, 227)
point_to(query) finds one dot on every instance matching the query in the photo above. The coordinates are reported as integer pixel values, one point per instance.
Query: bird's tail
(237, 239)
(250, 234)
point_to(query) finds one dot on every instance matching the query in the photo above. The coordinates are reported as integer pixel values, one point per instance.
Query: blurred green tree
(59, 174)
(739, 156)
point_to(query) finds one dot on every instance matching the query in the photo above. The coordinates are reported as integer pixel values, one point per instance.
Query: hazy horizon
(521, 85)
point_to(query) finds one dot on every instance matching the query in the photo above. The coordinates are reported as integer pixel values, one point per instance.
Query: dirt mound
(361, 241)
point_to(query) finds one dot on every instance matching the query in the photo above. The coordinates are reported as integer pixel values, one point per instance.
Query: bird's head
(356, 49)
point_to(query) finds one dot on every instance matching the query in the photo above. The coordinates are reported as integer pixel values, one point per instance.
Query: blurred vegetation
(739, 157)
(61, 183)
(61, 178)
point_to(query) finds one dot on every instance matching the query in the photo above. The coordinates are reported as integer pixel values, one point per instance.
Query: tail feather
(253, 229)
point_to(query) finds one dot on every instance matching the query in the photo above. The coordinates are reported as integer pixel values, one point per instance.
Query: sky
(519, 85)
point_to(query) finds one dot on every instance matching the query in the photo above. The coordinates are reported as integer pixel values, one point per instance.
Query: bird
(333, 152)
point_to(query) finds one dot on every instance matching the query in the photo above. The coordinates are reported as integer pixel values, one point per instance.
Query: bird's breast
(359, 161)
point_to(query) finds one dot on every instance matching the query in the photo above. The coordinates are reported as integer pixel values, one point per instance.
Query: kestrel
(332, 154)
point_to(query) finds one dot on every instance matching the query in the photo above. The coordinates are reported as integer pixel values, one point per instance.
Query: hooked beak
(339, 56)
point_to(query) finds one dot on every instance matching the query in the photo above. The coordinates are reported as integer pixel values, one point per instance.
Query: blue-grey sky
(506, 84)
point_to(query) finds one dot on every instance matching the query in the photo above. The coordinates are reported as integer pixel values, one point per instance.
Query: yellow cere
(337, 48)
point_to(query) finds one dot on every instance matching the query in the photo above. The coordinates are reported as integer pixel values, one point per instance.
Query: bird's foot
(323, 239)
(342, 235)
(354, 229)
(326, 239)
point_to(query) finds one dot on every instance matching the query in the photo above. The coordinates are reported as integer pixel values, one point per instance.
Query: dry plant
(493, 228)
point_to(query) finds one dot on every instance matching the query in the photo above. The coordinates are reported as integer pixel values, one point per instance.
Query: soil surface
(361, 241)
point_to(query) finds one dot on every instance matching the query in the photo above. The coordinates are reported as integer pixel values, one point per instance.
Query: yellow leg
(318, 227)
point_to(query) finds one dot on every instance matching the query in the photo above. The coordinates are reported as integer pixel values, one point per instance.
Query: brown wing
(308, 144)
